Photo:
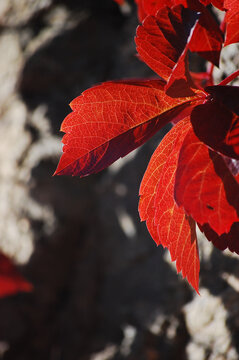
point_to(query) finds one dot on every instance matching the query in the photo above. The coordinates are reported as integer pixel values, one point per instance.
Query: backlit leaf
(167, 223)
(112, 119)
(232, 21)
(180, 83)
(207, 38)
(218, 3)
(162, 39)
(205, 187)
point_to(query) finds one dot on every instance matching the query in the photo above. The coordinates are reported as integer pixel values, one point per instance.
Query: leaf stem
(229, 78)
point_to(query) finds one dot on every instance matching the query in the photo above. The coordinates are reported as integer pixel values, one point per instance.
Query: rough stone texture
(102, 289)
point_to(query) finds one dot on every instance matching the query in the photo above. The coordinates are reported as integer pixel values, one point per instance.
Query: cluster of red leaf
(192, 177)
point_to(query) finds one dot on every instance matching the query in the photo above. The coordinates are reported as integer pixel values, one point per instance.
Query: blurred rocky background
(102, 289)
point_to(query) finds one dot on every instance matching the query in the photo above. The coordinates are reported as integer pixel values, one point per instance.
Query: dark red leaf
(110, 120)
(217, 3)
(207, 38)
(11, 282)
(205, 187)
(205, 2)
(202, 79)
(166, 222)
(227, 95)
(224, 241)
(215, 124)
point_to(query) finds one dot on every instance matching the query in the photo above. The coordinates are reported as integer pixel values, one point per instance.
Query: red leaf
(141, 12)
(205, 187)
(168, 224)
(162, 39)
(217, 3)
(232, 21)
(152, 6)
(227, 95)
(207, 38)
(224, 241)
(180, 83)
(110, 120)
(215, 124)
(205, 2)
(11, 282)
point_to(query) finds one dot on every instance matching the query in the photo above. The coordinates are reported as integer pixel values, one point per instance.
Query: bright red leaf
(166, 222)
(232, 21)
(205, 187)
(218, 3)
(11, 282)
(161, 40)
(151, 7)
(206, 38)
(193, 176)
(141, 12)
(112, 119)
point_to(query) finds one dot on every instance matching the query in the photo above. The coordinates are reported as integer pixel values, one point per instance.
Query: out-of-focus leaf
(11, 282)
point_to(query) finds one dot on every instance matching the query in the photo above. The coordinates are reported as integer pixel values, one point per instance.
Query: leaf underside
(112, 119)
(167, 223)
